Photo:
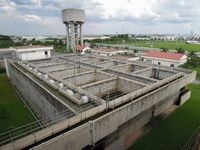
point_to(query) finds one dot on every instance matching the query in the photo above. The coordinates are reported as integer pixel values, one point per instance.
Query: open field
(173, 132)
(168, 44)
(197, 69)
(12, 111)
(172, 45)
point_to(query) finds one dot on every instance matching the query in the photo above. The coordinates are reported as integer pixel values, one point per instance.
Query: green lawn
(197, 69)
(12, 110)
(174, 131)
(167, 44)
(159, 44)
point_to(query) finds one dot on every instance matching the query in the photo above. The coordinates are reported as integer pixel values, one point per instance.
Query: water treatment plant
(89, 101)
(85, 101)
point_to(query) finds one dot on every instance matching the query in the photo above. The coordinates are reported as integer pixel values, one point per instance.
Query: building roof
(107, 49)
(5, 49)
(122, 57)
(164, 55)
(79, 47)
(30, 46)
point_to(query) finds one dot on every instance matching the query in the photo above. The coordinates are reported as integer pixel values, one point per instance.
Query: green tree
(127, 47)
(164, 49)
(180, 50)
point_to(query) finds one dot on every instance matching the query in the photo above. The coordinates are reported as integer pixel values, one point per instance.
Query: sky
(43, 17)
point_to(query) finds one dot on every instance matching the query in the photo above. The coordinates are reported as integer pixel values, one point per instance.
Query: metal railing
(193, 142)
(22, 131)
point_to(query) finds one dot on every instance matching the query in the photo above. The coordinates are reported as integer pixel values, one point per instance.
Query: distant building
(5, 52)
(165, 58)
(163, 37)
(32, 52)
(107, 51)
(93, 37)
(126, 58)
(193, 42)
(81, 49)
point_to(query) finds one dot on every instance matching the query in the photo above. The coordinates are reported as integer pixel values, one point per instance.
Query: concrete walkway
(196, 82)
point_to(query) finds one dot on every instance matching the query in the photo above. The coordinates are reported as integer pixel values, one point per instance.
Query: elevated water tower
(73, 20)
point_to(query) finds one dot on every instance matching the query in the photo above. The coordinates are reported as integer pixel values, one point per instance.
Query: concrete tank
(73, 15)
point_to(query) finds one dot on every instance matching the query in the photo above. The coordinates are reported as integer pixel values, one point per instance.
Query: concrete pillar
(72, 38)
(81, 34)
(76, 34)
(67, 37)
(6, 66)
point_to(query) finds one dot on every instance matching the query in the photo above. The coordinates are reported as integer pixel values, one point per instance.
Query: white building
(32, 52)
(165, 58)
(163, 37)
(107, 51)
(93, 37)
(82, 49)
(125, 58)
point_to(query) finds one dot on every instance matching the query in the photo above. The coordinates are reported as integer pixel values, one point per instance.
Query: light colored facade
(107, 52)
(125, 58)
(165, 58)
(82, 49)
(163, 37)
(32, 52)
(93, 37)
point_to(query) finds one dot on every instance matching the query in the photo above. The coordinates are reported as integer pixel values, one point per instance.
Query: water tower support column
(81, 34)
(67, 37)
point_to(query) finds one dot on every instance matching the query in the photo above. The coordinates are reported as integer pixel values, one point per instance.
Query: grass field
(172, 45)
(12, 111)
(173, 132)
(197, 69)
(168, 44)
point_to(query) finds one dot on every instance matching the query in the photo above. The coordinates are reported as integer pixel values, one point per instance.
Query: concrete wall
(72, 140)
(102, 88)
(118, 139)
(126, 134)
(87, 78)
(110, 122)
(163, 74)
(127, 86)
(33, 55)
(185, 97)
(67, 72)
(149, 72)
(41, 101)
(57, 67)
(165, 62)
(129, 68)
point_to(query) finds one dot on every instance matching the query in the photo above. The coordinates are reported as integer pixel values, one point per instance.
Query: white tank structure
(73, 20)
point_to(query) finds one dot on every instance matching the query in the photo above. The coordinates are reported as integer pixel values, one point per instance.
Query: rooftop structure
(5, 52)
(107, 51)
(73, 20)
(81, 49)
(126, 58)
(91, 98)
(32, 52)
(165, 58)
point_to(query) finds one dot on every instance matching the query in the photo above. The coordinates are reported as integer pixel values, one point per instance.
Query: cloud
(103, 15)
